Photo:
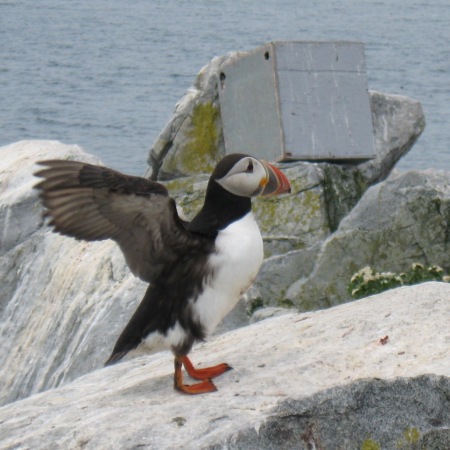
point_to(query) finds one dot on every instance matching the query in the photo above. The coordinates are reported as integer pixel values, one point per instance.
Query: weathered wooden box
(298, 100)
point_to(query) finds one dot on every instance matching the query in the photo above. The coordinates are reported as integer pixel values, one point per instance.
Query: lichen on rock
(200, 151)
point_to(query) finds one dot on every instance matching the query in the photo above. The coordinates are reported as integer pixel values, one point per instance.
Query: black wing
(94, 203)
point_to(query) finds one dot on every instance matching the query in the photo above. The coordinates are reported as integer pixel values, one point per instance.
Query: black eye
(250, 167)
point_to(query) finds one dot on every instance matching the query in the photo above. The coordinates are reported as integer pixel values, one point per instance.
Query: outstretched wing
(94, 203)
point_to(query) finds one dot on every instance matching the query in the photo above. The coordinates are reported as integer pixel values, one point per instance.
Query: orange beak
(276, 182)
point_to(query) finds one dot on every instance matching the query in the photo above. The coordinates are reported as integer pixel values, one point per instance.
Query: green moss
(180, 184)
(410, 440)
(255, 304)
(285, 302)
(411, 435)
(331, 291)
(266, 212)
(298, 245)
(188, 192)
(369, 444)
(307, 304)
(287, 215)
(200, 153)
(180, 421)
(312, 202)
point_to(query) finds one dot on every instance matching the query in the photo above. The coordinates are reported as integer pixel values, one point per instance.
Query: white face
(247, 178)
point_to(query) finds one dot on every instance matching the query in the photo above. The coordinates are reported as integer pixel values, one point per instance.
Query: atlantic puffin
(197, 270)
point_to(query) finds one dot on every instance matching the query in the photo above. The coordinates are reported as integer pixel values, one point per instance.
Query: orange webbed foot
(197, 388)
(205, 375)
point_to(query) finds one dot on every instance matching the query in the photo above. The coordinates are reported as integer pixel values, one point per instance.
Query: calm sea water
(106, 74)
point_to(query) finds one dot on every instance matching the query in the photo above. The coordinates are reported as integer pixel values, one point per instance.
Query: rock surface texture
(401, 221)
(369, 374)
(62, 302)
(192, 141)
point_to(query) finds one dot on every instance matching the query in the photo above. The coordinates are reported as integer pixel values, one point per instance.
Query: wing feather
(91, 202)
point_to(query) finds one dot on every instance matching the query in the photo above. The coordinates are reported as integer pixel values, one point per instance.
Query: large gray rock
(371, 374)
(398, 121)
(192, 141)
(62, 302)
(404, 220)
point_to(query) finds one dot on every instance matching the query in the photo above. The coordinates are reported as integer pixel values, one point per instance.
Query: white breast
(238, 257)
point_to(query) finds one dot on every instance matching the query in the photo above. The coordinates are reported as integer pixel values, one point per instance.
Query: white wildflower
(387, 275)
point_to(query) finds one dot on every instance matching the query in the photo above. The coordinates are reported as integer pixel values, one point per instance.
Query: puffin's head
(247, 176)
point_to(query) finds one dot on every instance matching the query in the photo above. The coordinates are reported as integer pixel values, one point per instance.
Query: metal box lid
(298, 101)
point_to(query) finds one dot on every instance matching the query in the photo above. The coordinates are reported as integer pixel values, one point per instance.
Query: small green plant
(368, 281)
(254, 305)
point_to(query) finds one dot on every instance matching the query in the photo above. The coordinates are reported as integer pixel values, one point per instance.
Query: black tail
(115, 358)
(143, 321)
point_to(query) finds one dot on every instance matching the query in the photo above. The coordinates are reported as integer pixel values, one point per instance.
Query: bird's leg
(205, 373)
(198, 388)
